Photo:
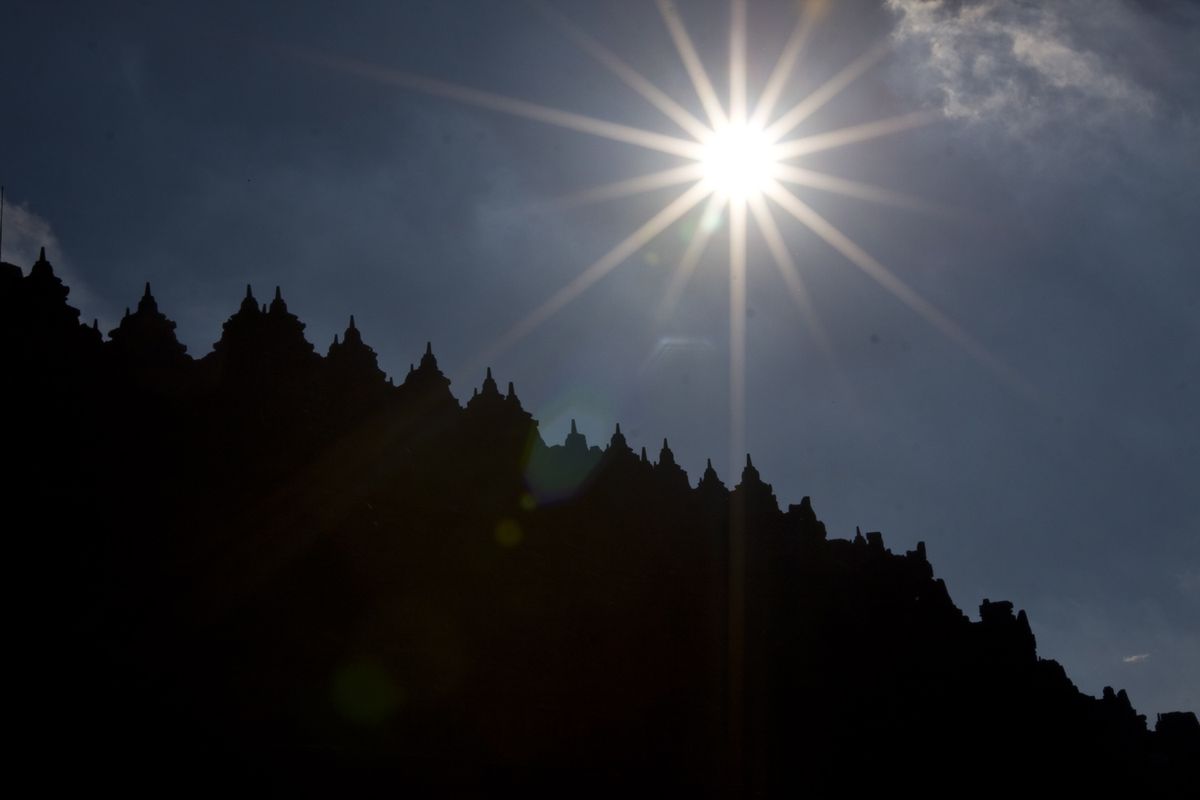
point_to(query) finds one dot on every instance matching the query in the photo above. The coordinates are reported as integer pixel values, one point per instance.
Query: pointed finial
(127, 311)
(147, 304)
(573, 428)
(475, 392)
(411, 368)
(429, 348)
(749, 463)
(95, 325)
(335, 338)
(264, 308)
(709, 479)
(644, 456)
(618, 427)
(665, 457)
(278, 295)
(511, 391)
(249, 296)
(489, 373)
(351, 322)
(42, 254)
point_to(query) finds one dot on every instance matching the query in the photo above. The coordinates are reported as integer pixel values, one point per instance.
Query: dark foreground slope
(271, 567)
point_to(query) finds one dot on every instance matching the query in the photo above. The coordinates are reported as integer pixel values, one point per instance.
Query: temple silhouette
(282, 568)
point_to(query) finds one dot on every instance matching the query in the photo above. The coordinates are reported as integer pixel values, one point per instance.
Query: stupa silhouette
(282, 566)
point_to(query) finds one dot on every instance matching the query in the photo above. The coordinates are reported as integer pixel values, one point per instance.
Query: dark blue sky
(204, 147)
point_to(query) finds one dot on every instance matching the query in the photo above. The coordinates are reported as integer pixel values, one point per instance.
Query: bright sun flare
(738, 167)
(739, 161)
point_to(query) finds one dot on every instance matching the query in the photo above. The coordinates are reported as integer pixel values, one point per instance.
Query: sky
(1051, 460)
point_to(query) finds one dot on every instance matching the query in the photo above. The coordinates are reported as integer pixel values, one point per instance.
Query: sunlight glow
(631, 77)
(601, 267)
(692, 63)
(631, 186)
(710, 220)
(739, 161)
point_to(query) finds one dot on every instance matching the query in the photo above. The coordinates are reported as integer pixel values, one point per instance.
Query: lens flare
(737, 160)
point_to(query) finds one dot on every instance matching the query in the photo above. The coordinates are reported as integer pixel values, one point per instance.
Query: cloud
(1139, 658)
(1022, 64)
(24, 234)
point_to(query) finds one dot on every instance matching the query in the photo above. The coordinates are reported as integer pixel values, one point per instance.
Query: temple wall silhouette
(272, 562)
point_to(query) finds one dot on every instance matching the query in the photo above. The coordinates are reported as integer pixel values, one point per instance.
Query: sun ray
(736, 163)
(795, 283)
(826, 92)
(692, 63)
(737, 330)
(788, 271)
(861, 191)
(514, 107)
(601, 267)
(633, 186)
(850, 135)
(893, 284)
(737, 62)
(631, 77)
(783, 67)
(683, 271)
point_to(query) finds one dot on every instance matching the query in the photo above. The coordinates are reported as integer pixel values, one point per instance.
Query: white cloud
(1139, 658)
(24, 234)
(1021, 64)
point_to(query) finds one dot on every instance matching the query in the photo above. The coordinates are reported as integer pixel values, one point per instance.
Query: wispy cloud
(1021, 64)
(1137, 659)
(24, 233)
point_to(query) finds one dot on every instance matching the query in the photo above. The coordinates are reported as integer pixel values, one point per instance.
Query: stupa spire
(749, 473)
(147, 305)
(277, 304)
(709, 481)
(618, 441)
(489, 388)
(249, 304)
(665, 457)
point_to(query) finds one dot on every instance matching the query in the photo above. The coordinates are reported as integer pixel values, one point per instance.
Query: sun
(739, 161)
